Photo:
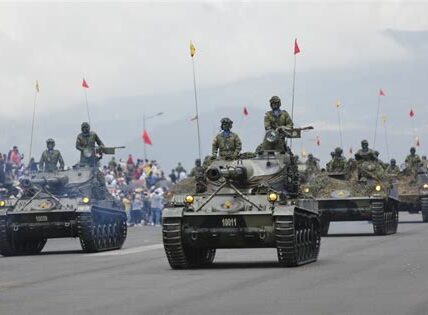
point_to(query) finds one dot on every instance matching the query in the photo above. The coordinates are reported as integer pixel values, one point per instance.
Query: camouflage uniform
(366, 154)
(50, 158)
(392, 169)
(312, 164)
(85, 143)
(198, 172)
(337, 163)
(413, 161)
(226, 142)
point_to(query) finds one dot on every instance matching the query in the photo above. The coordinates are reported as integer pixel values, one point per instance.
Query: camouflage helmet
(50, 141)
(338, 150)
(412, 150)
(226, 122)
(275, 102)
(393, 161)
(85, 125)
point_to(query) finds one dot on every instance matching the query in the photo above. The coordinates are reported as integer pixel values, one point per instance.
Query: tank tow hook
(15, 228)
(194, 235)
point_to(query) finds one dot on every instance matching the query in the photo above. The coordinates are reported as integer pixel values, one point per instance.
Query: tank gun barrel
(53, 181)
(236, 173)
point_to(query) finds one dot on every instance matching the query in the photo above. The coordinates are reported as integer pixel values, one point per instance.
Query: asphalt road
(357, 273)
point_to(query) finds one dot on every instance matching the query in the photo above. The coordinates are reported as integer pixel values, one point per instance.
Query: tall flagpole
(340, 123)
(87, 106)
(296, 51)
(377, 118)
(192, 54)
(32, 123)
(386, 136)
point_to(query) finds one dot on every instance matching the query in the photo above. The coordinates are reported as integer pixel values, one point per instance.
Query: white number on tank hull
(229, 222)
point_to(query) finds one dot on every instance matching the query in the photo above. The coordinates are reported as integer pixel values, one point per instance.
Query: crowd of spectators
(139, 184)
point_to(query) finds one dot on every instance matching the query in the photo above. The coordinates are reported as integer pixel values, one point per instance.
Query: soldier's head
(85, 128)
(198, 162)
(393, 162)
(226, 124)
(332, 154)
(275, 102)
(310, 156)
(50, 143)
(365, 145)
(338, 151)
(412, 150)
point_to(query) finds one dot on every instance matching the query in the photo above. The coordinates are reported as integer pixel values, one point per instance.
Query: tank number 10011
(229, 222)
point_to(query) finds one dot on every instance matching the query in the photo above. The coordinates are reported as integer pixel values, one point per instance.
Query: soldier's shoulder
(234, 134)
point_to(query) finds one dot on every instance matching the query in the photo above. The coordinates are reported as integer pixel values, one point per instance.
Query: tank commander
(312, 164)
(392, 168)
(365, 153)
(226, 143)
(85, 143)
(277, 117)
(338, 161)
(50, 158)
(413, 160)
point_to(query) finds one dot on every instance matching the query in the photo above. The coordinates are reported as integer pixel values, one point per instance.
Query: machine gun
(98, 152)
(285, 132)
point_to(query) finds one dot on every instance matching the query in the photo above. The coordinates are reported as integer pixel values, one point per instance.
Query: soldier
(338, 161)
(312, 164)
(392, 168)
(277, 117)
(226, 142)
(198, 173)
(412, 160)
(365, 154)
(198, 168)
(50, 158)
(85, 143)
(424, 161)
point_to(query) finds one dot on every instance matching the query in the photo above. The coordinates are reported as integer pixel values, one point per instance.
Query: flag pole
(196, 108)
(32, 123)
(87, 105)
(377, 118)
(413, 129)
(340, 123)
(386, 138)
(292, 96)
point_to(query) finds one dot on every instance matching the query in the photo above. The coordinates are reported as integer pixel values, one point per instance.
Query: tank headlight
(306, 190)
(189, 199)
(86, 199)
(378, 188)
(425, 186)
(272, 197)
(2, 203)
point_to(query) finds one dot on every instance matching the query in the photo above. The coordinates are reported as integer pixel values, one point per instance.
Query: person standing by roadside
(157, 206)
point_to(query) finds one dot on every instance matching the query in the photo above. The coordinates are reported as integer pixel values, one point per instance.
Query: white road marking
(133, 250)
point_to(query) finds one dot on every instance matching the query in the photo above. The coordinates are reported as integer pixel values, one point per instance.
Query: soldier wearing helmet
(365, 153)
(85, 143)
(277, 117)
(392, 169)
(312, 164)
(338, 162)
(412, 161)
(50, 158)
(226, 143)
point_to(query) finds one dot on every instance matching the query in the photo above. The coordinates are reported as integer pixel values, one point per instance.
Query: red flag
(381, 92)
(84, 84)
(350, 150)
(411, 113)
(245, 111)
(318, 141)
(146, 138)
(296, 47)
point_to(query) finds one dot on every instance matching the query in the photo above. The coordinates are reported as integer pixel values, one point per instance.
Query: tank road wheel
(424, 209)
(297, 239)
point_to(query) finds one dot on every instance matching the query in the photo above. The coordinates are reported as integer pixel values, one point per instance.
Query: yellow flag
(338, 104)
(192, 49)
(37, 86)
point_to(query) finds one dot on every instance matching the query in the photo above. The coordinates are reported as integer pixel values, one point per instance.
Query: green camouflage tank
(250, 202)
(363, 193)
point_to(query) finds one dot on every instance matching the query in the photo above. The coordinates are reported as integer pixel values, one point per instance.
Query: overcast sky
(127, 50)
(142, 48)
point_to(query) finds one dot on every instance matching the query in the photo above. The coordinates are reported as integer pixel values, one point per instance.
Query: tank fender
(172, 213)
(283, 210)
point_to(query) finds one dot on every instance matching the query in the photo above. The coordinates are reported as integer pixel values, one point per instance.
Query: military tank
(413, 192)
(251, 202)
(362, 193)
(70, 203)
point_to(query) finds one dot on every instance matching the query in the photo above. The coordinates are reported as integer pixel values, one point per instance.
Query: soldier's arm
(41, 162)
(288, 121)
(214, 147)
(61, 161)
(268, 123)
(98, 141)
(238, 145)
(78, 144)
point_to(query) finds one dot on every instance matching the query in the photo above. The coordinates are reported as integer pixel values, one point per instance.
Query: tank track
(297, 238)
(13, 246)
(424, 209)
(98, 234)
(384, 222)
(179, 256)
